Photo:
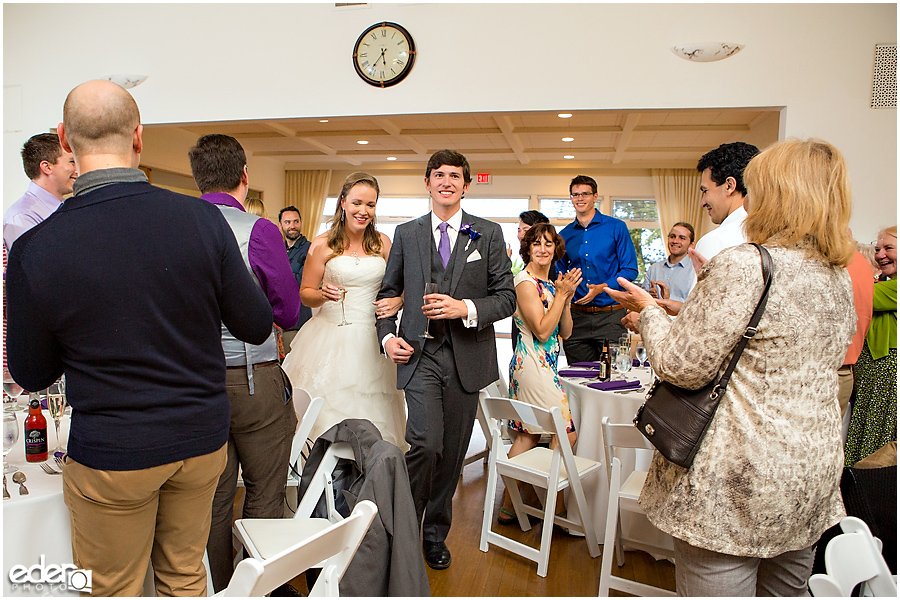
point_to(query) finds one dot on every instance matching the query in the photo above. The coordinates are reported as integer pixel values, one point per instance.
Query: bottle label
(604, 374)
(35, 441)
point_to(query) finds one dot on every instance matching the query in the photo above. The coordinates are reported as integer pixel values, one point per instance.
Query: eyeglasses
(578, 195)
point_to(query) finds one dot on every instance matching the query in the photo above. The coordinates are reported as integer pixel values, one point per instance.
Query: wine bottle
(605, 362)
(35, 432)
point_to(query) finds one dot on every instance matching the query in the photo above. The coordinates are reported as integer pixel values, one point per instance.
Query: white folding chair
(264, 538)
(851, 558)
(624, 496)
(497, 389)
(309, 408)
(551, 470)
(331, 548)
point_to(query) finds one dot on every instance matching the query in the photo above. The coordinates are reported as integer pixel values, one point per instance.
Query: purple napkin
(589, 365)
(44, 404)
(618, 384)
(577, 373)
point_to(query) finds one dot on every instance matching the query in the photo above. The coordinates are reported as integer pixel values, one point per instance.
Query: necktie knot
(444, 244)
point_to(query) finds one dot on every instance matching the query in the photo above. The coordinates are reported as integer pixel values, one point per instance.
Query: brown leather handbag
(675, 419)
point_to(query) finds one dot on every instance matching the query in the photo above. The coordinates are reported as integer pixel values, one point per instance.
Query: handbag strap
(767, 267)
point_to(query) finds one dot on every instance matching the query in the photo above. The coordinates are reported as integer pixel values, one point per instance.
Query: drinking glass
(623, 361)
(56, 404)
(640, 352)
(10, 437)
(13, 391)
(613, 351)
(430, 288)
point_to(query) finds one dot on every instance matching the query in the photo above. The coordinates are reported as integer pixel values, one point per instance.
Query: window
(642, 219)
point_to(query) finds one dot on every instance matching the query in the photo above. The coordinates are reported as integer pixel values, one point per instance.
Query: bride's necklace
(356, 256)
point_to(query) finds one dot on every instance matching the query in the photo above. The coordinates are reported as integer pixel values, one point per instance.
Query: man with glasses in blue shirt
(601, 247)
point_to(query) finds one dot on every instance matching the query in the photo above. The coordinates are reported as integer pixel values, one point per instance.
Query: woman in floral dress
(543, 315)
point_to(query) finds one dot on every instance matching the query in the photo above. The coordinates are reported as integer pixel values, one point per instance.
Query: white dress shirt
(729, 233)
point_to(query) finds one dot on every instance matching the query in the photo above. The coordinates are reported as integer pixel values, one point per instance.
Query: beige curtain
(307, 191)
(678, 199)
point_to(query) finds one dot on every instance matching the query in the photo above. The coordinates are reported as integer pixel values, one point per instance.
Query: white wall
(240, 61)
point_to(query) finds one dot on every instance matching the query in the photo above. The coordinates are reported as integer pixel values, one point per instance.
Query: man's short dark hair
(449, 157)
(687, 226)
(533, 217)
(728, 160)
(583, 180)
(289, 209)
(217, 162)
(38, 148)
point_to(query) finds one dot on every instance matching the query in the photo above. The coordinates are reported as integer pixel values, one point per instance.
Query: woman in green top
(874, 420)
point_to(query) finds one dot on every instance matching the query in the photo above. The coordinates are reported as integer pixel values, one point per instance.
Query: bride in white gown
(343, 363)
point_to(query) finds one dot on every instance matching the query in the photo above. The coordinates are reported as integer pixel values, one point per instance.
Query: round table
(36, 526)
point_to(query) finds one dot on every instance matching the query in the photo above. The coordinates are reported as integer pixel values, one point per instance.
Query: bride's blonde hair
(337, 233)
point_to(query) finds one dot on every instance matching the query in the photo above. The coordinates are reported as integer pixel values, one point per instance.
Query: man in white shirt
(52, 172)
(723, 195)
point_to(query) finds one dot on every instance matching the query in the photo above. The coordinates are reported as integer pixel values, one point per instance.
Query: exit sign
(483, 178)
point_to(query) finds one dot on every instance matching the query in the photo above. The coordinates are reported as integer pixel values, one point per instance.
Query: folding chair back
(332, 549)
(853, 558)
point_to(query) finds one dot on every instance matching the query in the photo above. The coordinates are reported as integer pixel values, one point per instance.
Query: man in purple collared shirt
(52, 172)
(262, 415)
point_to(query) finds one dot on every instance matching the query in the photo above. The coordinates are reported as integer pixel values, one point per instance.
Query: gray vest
(238, 353)
(439, 328)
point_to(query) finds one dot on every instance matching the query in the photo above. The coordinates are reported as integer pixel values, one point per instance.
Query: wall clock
(384, 54)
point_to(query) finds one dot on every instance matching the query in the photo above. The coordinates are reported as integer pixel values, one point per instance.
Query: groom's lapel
(458, 257)
(423, 238)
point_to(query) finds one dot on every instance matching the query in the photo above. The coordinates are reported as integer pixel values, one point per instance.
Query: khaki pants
(122, 520)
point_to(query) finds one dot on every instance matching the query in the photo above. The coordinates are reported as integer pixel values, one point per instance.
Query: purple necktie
(444, 244)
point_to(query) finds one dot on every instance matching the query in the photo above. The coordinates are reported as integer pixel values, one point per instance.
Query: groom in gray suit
(466, 257)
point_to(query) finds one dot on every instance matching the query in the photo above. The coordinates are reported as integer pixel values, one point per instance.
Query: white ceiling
(501, 142)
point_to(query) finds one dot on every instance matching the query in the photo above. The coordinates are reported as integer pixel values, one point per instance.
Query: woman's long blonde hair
(800, 196)
(338, 240)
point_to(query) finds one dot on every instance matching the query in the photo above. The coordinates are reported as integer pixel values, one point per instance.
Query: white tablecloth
(588, 407)
(36, 524)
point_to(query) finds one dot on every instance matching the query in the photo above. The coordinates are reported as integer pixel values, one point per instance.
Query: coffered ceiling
(503, 142)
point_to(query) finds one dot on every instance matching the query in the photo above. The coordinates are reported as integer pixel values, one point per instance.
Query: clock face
(384, 54)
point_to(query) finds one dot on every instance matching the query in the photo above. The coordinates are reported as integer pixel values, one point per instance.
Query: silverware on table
(60, 461)
(5, 492)
(19, 477)
(49, 470)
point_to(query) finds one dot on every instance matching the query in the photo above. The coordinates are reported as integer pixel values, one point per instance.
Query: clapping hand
(593, 291)
(663, 289)
(632, 297)
(567, 283)
(697, 259)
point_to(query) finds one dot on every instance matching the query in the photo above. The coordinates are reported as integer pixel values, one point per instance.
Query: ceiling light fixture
(323, 120)
(706, 51)
(392, 158)
(127, 81)
(568, 139)
(564, 115)
(362, 142)
(568, 157)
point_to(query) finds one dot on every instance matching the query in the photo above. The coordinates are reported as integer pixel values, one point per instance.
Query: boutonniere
(469, 231)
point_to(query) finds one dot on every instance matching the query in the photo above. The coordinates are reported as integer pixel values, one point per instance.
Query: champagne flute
(10, 437)
(613, 352)
(430, 288)
(56, 404)
(640, 352)
(339, 282)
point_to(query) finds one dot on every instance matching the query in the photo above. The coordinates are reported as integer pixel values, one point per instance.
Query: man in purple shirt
(52, 172)
(262, 414)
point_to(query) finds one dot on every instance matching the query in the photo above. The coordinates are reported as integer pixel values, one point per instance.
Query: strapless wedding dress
(344, 364)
